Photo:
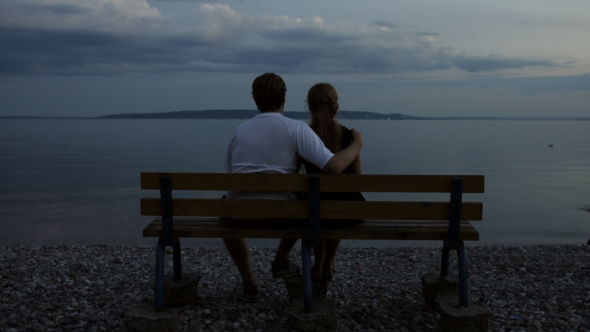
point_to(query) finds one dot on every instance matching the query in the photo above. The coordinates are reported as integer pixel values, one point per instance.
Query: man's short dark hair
(269, 92)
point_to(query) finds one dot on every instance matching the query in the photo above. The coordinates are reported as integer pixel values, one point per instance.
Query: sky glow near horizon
(421, 58)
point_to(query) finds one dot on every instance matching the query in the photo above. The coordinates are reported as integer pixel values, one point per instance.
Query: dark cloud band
(228, 42)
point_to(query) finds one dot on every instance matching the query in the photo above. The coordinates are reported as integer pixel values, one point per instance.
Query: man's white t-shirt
(272, 143)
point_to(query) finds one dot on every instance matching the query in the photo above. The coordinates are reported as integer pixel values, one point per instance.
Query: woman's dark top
(344, 143)
(329, 196)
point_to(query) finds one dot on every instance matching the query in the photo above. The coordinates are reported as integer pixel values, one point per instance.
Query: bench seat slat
(213, 221)
(299, 209)
(298, 182)
(369, 230)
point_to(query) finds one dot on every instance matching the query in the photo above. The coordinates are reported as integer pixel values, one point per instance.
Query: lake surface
(77, 181)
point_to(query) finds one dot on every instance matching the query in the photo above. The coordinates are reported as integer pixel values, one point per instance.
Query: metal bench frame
(167, 239)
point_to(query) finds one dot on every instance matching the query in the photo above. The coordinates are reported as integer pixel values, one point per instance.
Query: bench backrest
(300, 182)
(452, 211)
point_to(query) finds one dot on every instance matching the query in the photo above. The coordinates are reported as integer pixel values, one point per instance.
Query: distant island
(248, 114)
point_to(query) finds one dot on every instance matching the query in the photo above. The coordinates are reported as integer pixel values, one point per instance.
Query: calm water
(77, 181)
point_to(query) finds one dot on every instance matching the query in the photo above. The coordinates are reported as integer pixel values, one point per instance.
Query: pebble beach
(86, 288)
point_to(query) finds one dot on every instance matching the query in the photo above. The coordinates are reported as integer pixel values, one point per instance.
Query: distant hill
(248, 114)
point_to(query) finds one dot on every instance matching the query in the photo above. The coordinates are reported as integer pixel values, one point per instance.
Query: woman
(322, 101)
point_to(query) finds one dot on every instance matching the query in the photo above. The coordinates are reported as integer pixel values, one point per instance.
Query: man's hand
(357, 136)
(342, 159)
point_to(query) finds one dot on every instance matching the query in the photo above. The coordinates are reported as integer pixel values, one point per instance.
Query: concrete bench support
(181, 292)
(441, 295)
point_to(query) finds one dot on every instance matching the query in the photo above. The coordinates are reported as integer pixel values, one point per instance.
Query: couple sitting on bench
(272, 143)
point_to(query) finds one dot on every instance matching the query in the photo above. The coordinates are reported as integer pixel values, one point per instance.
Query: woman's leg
(332, 246)
(319, 254)
(240, 254)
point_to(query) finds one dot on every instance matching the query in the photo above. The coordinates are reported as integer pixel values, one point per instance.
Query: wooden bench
(446, 221)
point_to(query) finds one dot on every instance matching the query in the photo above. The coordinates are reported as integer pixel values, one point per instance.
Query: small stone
(143, 317)
(433, 284)
(324, 317)
(294, 286)
(419, 320)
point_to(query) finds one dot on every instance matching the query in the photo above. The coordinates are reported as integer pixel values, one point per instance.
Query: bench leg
(444, 266)
(463, 273)
(306, 270)
(176, 259)
(463, 276)
(159, 286)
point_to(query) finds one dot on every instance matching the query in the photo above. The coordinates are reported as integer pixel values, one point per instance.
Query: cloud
(542, 85)
(306, 35)
(384, 24)
(113, 37)
(56, 9)
(220, 24)
(427, 34)
(495, 62)
(552, 84)
(522, 23)
(114, 16)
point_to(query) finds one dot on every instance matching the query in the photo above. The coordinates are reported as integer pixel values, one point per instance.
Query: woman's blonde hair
(322, 101)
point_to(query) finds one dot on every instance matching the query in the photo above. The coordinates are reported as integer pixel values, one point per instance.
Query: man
(272, 143)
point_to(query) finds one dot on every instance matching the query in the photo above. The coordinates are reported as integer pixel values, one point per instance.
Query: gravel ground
(84, 288)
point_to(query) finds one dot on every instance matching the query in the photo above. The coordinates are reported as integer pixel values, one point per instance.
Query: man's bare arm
(357, 167)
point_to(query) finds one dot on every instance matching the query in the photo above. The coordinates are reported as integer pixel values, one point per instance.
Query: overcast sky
(421, 58)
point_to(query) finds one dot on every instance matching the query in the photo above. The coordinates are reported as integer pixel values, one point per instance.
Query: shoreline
(85, 288)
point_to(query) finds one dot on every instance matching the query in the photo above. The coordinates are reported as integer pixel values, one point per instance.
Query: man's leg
(240, 254)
